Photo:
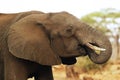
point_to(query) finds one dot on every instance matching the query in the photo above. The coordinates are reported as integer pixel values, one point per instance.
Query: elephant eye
(69, 29)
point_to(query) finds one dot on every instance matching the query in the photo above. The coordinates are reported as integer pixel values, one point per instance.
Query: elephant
(32, 42)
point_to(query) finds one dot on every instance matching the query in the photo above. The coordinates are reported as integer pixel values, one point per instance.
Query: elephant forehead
(64, 18)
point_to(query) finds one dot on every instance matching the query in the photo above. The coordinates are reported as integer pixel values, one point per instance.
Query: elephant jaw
(72, 60)
(95, 48)
(68, 60)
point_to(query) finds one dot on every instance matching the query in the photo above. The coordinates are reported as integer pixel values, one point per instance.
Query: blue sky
(76, 7)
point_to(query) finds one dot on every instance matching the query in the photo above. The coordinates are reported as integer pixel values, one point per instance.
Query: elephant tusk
(95, 48)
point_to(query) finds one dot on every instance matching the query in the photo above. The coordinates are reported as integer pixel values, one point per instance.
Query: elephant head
(55, 38)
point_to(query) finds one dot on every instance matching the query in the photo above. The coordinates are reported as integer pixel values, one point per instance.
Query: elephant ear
(28, 40)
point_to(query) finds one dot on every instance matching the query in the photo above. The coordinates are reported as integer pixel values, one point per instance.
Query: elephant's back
(5, 22)
(6, 19)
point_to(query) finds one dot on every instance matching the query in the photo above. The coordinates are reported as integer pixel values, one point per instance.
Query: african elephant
(31, 42)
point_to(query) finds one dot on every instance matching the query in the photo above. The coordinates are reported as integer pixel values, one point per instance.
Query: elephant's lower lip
(68, 60)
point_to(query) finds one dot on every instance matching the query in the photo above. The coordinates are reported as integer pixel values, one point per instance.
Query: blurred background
(103, 15)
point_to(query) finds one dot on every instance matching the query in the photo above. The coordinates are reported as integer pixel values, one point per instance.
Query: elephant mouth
(68, 60)
(83, 51)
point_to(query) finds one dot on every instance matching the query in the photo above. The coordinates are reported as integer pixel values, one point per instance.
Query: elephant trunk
(100, 56)
(96, 44)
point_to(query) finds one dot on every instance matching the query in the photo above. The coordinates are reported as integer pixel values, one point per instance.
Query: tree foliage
(103, 19)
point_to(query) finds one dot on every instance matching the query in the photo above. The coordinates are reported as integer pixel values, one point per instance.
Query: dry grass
(110, 72)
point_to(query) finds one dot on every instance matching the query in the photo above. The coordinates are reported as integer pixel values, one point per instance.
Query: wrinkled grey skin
(31, 42)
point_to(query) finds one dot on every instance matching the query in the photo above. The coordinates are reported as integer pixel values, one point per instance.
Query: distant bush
(86, 64)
